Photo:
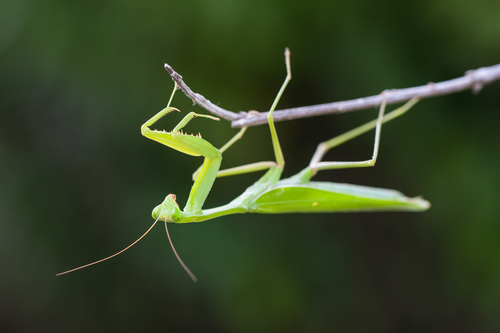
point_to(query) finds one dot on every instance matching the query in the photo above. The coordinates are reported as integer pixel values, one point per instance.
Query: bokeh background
(78, 181)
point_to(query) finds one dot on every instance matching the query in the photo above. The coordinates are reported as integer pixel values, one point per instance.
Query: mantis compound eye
(156, 212)
(176, 216)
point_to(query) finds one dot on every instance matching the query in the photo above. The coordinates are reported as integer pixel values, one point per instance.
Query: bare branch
(473, 79)
(200, 99)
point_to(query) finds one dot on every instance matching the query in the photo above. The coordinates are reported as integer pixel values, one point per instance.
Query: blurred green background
(78, 181)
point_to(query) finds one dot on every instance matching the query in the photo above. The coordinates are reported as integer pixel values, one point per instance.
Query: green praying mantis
(270, 194)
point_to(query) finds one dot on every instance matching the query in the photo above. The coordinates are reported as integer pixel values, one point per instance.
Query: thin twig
(473, 79)
(200, 99)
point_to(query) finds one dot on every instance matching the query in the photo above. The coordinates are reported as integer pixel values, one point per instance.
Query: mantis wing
(333, 197)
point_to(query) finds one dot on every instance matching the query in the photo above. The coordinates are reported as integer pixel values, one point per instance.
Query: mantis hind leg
(316, 164)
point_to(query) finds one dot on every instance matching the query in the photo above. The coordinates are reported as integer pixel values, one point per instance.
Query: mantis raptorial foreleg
(190, 145)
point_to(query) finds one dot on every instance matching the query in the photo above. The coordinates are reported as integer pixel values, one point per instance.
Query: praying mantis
(270, 194)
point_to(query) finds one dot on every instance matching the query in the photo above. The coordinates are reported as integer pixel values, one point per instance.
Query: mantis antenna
(114, 255)
(128, 247)
(193, 277)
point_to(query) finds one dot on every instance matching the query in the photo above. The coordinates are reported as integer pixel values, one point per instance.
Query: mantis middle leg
(258, 166)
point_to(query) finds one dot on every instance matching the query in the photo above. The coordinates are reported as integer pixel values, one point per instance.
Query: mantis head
(168, 210)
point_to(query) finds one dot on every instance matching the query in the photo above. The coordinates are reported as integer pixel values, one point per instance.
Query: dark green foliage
(78, 181)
